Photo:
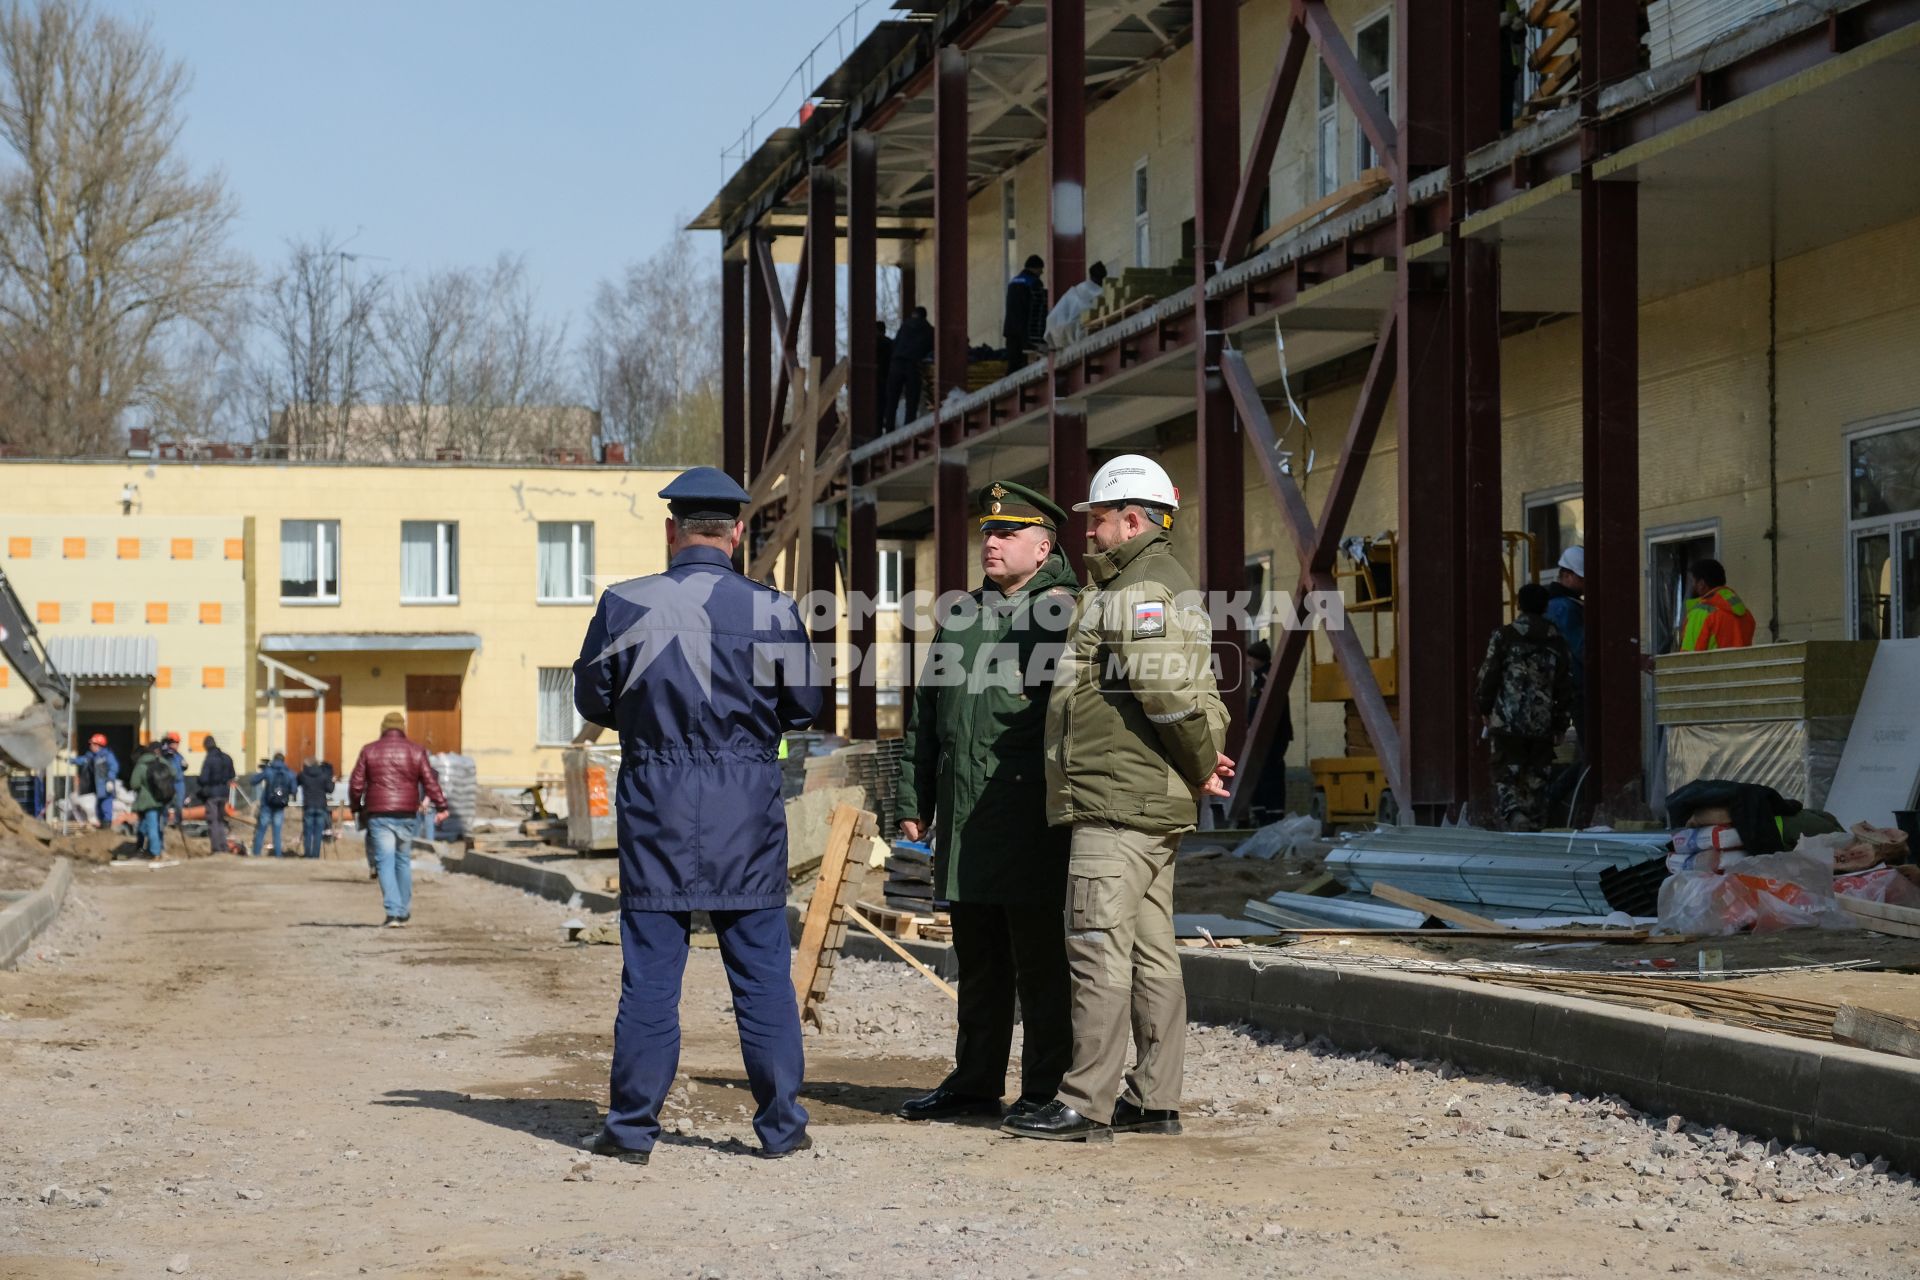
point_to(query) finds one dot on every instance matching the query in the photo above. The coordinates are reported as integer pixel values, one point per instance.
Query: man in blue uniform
(701, 671)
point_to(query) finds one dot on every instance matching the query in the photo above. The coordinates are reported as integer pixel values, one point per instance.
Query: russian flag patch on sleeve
(1150, 618)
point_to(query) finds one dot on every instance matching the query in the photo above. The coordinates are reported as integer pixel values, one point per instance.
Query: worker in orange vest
(1715, 618)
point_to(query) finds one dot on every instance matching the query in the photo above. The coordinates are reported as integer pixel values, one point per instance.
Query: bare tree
(108, 241)
(315, 363)
(652, 356)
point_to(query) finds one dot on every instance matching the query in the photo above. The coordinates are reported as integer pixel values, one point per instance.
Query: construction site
(1424, 307)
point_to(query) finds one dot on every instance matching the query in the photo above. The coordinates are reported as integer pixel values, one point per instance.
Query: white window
(566, 562)
(429, 561)
(1142, 232)
(1009, 230)
(889, 594)
(559, 722)
(1328, 174)
(310, 561)
(1883, 532)
(1373, 49)
(1556, 520)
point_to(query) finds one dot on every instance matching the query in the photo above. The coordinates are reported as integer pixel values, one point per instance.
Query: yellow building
(212, 597)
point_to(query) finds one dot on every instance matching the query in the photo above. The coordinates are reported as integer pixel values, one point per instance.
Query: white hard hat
(1131, 478)
(1574, 561)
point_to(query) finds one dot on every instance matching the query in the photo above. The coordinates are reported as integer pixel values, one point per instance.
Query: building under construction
(1472, 280)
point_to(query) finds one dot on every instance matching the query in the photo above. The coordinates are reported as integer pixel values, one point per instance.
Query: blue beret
(705, 492)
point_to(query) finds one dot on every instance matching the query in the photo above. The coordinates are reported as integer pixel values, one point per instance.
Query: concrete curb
(545, 881)
(1800, 1091)
(24, 920)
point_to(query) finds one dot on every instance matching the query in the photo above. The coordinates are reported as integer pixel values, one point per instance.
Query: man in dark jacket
(1026, 317)
(701, 671)
(384, 789)
(316, 797)
(177, 761)
(1525, 696)
(277, 785)
(912, 346)
(216, 782)
(975, 773)
(1567, 611)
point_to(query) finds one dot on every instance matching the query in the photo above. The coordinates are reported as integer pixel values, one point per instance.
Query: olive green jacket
(1136, 724)
(973, 767)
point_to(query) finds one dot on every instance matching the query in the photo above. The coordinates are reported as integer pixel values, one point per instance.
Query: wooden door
(301, 741)
(433, 712)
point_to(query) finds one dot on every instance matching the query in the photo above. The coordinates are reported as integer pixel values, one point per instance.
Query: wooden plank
(1880, 924)
(820, 908)
(1882, 910)
(1364, 188)
(1438, 910)
(853, 914)
(1504, 935)
(1872, 1029)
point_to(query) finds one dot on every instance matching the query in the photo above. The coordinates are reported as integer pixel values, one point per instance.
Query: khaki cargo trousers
(1125, 970)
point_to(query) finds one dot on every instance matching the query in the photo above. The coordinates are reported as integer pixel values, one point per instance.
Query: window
(1329, 101)
(1009, 230)
(1142, 233)
(889, 594)
(566, 562)
(559, 722)
(1556, 520)
(429, 561)
(1883, 532)
(310, 561)
(1373, 50)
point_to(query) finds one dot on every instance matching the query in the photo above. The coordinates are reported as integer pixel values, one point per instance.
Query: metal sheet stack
(875, 767)
(1542, 874)
(460, 782)
(910, 878)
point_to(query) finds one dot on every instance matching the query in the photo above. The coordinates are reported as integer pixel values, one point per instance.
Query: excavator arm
(31, 739)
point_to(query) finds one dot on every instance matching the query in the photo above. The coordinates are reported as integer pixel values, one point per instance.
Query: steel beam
(952, 504)
(950, 223)
(733, 362)
(863, 590)
(1067, 247)
(787, 320)
(759, 354)
(823, 319)
(863, 411)
(1256, 177)
(1221, 446)
(826, 558)
(1368, 110)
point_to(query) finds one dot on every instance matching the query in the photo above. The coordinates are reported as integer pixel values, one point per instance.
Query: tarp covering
(1797, 758)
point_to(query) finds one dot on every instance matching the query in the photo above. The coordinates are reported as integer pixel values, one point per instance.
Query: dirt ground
(223, 1069)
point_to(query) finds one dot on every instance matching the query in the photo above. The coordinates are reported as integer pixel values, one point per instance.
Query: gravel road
(221, 1069)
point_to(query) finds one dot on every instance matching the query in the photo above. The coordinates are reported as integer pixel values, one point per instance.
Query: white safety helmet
(1574, 561)
(1131, 478)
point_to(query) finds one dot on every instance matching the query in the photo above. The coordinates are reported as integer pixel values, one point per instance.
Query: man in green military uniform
(1134, 736)
(974, 775)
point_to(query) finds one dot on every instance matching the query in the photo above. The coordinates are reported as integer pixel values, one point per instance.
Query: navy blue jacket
(701, 670)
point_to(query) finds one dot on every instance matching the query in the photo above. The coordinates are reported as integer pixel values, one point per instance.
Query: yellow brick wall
(498, 510)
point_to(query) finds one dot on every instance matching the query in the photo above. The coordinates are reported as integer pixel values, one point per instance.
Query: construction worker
(216, 779)
(170, 752)
(1025, 324)
(912, 347)
(700, 670)
(975, 775)
(1525, 697)
(152, 787)
(277, 785)
(1567, 611)
(99, 773)
(1715, 617)
(1134, 735)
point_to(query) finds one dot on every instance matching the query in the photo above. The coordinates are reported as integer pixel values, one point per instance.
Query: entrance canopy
(105, 660)
(372, 642)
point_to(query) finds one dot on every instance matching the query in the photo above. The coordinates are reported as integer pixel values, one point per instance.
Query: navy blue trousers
(646, 1032)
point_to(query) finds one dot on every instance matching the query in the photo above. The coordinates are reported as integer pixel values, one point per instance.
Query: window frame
(1327, 146)
(575, 572)
(1363, 153)
(1142, 213)
(886, 596)
(539, 710)
(1891, 526)
(1531, 502)
(446, 563)
(318, 599)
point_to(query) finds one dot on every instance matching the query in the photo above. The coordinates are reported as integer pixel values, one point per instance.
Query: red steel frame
(1067, 476)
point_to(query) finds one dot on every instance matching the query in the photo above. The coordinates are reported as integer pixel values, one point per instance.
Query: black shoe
(805, 1144)
(1057, 1122)
(1026, 1106)
(604, 1145)
(944, 1104)
(1128, 1118)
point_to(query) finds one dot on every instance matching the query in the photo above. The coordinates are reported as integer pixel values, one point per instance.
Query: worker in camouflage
(1525, 697)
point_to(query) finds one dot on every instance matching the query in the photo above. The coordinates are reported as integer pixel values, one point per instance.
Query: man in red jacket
(384, 791)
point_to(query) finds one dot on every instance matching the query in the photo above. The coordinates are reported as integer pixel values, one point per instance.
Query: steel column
(1255, 178)
(952, 504)
(823, 320)
(1221, 450)
(863, 409)
(759, 354)
(733, 361)
(826, 555)
(909, 571)
(950, 224)
(1067, 246)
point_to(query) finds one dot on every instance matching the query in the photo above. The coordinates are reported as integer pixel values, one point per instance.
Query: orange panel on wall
(4, 670)
(156, 611)
(213, 677)
(20, 548)
(129, 548)
(183, 548)
(73, 548)
(210, 612)
(46, 611)
(103, 611)
(163, 677)
(236, 548)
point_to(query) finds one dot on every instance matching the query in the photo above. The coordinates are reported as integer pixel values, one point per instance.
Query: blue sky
(575, 132)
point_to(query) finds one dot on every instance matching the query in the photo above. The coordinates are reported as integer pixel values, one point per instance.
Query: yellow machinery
(1351, 789)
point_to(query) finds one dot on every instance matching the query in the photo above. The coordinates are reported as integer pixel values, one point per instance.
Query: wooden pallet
(898, 923)
(834, 892)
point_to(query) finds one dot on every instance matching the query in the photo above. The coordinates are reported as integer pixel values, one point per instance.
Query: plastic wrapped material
(1793, 890)
(1277, 838)
(1881, 884)
(1868, 846)
(459, 783)
(592, 774)
(1699, 848)
(1797, 758)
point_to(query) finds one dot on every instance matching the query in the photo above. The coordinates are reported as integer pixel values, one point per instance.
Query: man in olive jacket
(974, 773)
(1134, 736)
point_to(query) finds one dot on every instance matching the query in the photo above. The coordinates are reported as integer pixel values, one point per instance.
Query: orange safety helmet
(172, 737)
(97, 740)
